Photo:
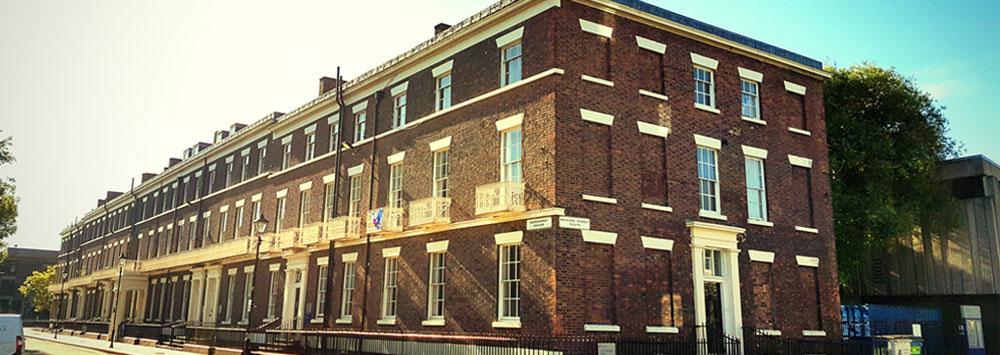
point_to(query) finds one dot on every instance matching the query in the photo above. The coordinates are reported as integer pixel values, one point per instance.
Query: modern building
(19, 264)
(957, 273)
(542, 167)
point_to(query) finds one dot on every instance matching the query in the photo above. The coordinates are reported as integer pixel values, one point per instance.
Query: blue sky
(97, 92)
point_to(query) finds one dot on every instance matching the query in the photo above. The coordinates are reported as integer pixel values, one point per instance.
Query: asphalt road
(36, 346)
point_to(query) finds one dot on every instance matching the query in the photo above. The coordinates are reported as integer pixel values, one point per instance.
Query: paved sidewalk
(99, 345)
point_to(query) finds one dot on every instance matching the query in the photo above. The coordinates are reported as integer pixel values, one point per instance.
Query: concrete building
(542, 167)
(21, 263)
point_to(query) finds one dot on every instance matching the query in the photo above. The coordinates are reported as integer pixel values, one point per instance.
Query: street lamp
(117, 299)
(258, 228)
(62, 293)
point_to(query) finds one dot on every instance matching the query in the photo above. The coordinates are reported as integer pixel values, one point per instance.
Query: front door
(713, 317)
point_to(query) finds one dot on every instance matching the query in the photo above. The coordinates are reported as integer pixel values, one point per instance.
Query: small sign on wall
(605, 348)
(574, 223)
(539, 223)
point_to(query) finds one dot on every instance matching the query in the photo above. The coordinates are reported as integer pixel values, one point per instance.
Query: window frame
(716, 196)
(399, 110)
(710, 83)
(310, 146)
(321, 291)
(390, 288)
(354, 203)
(347, 293)
(286, 155)
(761, 191)
(505, 300)
(442, 94)
(505, 72)
(436, 299)
(279, 215)
(755, 95)
(304, 207)
(396, 185)
(360, 125)
(441, 173)
(507, 164)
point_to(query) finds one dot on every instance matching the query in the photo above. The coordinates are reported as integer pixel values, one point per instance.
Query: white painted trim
(770, 332)
(514, 237)
(813, 333)
(207, 214)
(707, 142)
(245, 152)
(224, 209)
(262, 144)
(507, 324)
(256, 197)
(240, 203)
(707, 108)
(650, 206)
(343, 320)
(229, 272)
(229, 159)
(597, 80)
(396, 158)
(648, 44)
(359, 107)
(440, 144)
(761, 256)
(510, 122)
(753, 120)
(310, 129)
(437, 247)
(391, 252)
(597, 117)
(592, 236)
(754, 152)
(750, 75)
(274, 267)
(807, 261)
(656, 329)
(806, 229)
(399, 89)
(287, 139)
(657, 243)
(800, 161)
(652, 129)
(334, 117)
(305, 186)
(355, 170)
(510, 37)
(281, 193)
(593, 198)
(433, 322)
(704, 61)
(441, 69)
(595, 28)
(601, 328)
(653, 95)
(349, 257)
(799, 131)
(322, 261)
(760, 222)
(248, 269)
(193, 219)
(329, 178)
(795, 88)
(712, 215)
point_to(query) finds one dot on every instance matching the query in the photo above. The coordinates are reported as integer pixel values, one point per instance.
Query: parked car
(11, 334)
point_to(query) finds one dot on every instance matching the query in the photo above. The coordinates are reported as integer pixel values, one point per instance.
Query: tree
(8, 202)
(885, 138)
(38, 285)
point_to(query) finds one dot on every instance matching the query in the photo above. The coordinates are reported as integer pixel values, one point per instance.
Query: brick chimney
(172, 162)
(100, 202)
(441, 27)
(111, 195)
(147, 176)
(326, 84)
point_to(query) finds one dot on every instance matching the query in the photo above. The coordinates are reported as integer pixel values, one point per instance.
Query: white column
(212, 277)
(194, 307)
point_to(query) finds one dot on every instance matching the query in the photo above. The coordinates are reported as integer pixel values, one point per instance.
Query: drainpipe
(371, 205)
(328, 311)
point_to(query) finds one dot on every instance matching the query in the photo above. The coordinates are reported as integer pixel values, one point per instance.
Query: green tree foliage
(8, 202)
(38, 285)
(885, 137)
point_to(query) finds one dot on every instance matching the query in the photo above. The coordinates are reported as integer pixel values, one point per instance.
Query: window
(442, 168)
(197, 191)
(510, 68)
(286, 156)
(310, 146)
(246, 166)
(399, 110)
(230, 297)
(304, 198)
(223, 221)
(193, 234)
(713, 263)
(396, 186)
(262, 156)
(211, 178)
(354, 209)
(279, 217)
(756, 197)
(347, 297)
(239, 221)
(359, 126)
(389, 288)
(510, 282)
(442, 94)
(704, 90)
(275, 292)
(511, 160)
(207, 232)
(247, 293)
(255, 211)
(435, 287)
(321, 292)
(708, 180)
(229, 174)
(328, 191)
(750, 99)
(334, 136)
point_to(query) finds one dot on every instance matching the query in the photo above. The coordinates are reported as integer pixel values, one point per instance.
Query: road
(36, 346)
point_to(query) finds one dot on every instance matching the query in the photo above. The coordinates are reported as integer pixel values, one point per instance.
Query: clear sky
(97, 92)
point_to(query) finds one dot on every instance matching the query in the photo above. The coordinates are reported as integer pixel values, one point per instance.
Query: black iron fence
(83, 326)
(761, 342)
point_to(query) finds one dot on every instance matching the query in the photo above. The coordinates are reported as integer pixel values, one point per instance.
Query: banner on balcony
(376, 218)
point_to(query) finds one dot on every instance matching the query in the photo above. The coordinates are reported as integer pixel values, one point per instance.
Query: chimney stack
(172, 162)
(147, 176)
(111, 195)
(327, 84)
(236, 127)
(441, 27)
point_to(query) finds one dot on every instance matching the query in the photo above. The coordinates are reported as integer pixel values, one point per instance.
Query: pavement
(38, 342)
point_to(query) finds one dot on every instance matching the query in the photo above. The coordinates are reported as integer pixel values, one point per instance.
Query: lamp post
(62, 293)
(258, 227)
(116, 299)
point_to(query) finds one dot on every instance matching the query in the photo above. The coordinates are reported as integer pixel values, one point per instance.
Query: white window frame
(207, 231)
(507, 160)
(390, 288)
(328, 191)
(347, 291)
(505, 73)
(714, 165)
(442, 170)
(396, 185)
(442, 92)
(273, 292)
(230, 298)
(223, 221)
(711, 86)
(334, 135)
(310, 146)
(280, 214)
(399, 110)
(245, 167)
(360, 123)
(508, 309)
(286, 155)
(754, 96)
(239, 221)
(321, 291)
(247, 294)
(436, 285)
(761, 191)
(229, 174)
(261, 157)
(304, 197)
(354, 207)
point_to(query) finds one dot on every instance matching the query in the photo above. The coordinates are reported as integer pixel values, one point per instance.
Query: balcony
(344, 227)
(500, 197)
(385, 220)
(312, 234)
(289, 239)
(430, 211)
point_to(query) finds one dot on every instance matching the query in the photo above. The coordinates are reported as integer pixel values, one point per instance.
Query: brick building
(19, 264)
(542, 167)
